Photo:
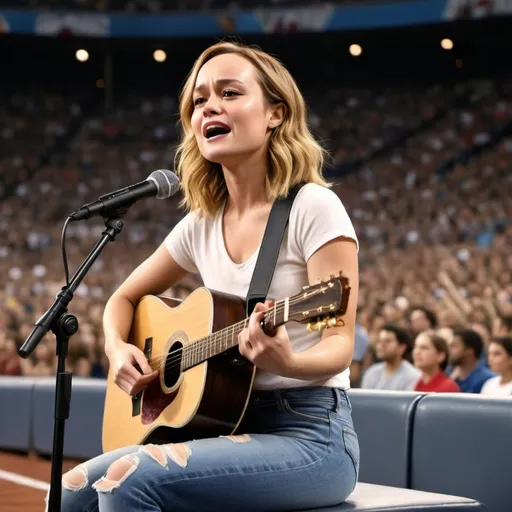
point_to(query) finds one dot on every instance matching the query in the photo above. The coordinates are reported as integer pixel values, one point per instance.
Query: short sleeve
(318, 216)
(179, 243)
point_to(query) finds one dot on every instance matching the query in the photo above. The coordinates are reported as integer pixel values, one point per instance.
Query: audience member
(500, 361)
(394, 372)
(422, 319)
(465, 351)
(9, 359)
(430, 356)
(502, 326)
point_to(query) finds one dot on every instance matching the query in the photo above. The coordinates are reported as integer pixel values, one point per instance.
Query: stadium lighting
(159, 55)
(355, 50)
(447, 44)
(82, 55)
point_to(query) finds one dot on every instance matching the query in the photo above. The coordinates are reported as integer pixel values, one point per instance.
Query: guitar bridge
(137, 399)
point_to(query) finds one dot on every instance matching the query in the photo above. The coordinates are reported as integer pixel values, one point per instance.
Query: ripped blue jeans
(297, 449)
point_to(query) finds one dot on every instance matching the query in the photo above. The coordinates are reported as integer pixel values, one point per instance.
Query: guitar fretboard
(214, 344)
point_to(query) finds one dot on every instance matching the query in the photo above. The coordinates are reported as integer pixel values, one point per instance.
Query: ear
(276, 115)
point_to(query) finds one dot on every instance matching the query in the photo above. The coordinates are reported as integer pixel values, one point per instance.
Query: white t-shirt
(317, 216)
(494, 387)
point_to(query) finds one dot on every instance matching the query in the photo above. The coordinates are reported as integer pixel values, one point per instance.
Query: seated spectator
(430, 355)
(465, 351)
(500, 361)
(394, 372)
(422, 319)
(9, 359)
(502, 326)
(484, 330)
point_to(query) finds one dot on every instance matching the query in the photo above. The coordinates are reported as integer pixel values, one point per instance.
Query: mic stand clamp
(64, 324)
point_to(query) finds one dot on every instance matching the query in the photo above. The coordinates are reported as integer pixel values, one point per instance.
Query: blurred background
(413, 100)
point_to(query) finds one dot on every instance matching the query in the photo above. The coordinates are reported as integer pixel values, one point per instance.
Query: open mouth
(216, 131)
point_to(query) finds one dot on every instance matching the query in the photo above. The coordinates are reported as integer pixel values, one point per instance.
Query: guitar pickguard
(155, 400)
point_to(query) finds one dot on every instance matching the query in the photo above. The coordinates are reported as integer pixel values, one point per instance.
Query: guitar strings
(196, 346)
(223, 335)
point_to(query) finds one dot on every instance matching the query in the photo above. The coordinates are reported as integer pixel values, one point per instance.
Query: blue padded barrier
(383, 421)
(82, 437)
(378, 498)
(463, 445)
(16, 415)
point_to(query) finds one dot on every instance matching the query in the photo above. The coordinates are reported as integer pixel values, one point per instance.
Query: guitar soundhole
(173, 364)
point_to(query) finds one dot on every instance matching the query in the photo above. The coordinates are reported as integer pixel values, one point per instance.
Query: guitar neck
(218, 342)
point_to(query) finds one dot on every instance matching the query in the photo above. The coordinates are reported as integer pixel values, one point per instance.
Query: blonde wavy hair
(294, 155)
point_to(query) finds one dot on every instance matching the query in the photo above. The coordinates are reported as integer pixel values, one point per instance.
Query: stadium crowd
(435, 299)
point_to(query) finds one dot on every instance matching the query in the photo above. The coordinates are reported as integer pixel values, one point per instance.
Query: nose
(212, 106)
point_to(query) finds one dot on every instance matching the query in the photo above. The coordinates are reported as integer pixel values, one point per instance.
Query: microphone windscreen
(167, 183)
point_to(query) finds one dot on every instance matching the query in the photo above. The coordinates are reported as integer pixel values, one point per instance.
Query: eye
(229, 93)
(198, 101)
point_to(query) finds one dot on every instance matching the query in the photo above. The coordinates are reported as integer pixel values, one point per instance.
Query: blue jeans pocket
(308, 412)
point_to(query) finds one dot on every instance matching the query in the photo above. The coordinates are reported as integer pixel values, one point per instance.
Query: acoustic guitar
(204, 384)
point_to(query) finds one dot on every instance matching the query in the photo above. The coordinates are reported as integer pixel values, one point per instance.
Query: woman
(500, 361)
(430, 356)
(245, 143)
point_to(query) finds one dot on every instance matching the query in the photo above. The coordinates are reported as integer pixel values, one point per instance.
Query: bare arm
(152, 277)
(334, 352)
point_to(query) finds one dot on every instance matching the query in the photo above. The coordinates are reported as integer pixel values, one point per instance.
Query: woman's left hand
(272, 354)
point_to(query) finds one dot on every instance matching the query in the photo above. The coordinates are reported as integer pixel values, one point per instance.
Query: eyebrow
(220, 81)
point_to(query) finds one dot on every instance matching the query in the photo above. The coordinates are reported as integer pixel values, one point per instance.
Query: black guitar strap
(270, 247)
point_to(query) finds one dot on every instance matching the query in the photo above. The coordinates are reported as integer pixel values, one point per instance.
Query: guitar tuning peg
(340, 321)
(332, 322)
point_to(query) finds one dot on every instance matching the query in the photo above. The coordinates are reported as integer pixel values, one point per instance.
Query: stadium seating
(83, 429)
(16, 404)
(383, 421)
(461, 445)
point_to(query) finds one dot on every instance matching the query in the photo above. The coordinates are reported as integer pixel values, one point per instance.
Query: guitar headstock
(321, 305)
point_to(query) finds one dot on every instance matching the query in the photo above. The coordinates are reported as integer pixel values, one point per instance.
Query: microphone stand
(64, 325)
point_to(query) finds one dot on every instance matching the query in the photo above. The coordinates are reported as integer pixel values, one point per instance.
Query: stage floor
(24, 482)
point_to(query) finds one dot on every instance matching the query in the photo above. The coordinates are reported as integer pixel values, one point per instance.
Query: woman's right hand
(122, 360)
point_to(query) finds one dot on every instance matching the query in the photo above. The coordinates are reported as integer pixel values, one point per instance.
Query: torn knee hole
(157, 453)
(75, 479)
(179, 453)
(117, 473)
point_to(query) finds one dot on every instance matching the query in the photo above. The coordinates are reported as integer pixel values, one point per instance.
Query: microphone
(161, 183)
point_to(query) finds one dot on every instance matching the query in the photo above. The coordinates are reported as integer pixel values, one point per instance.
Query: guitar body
(206, 400)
